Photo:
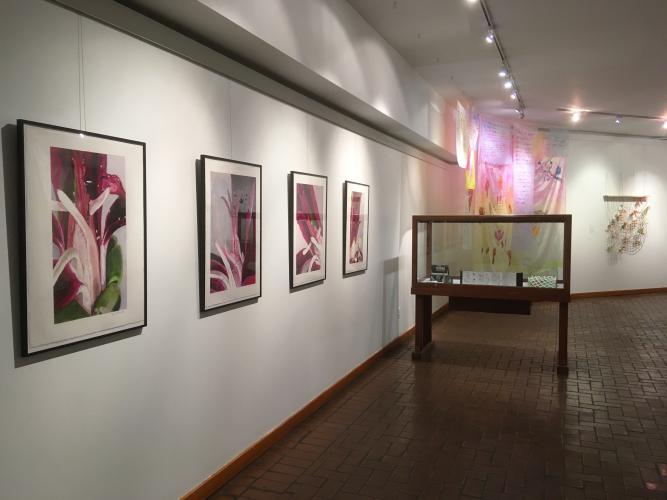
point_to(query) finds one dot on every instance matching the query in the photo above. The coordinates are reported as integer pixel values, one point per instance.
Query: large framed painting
(83, 212)
(308, 228)
(355, 227)
(230, 232)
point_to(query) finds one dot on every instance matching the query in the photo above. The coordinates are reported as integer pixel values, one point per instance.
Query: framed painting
(230, 232)
(355, 227)
(83, 235)
(307, 228)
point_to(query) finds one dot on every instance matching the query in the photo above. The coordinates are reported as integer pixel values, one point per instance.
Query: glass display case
(504, 257)
(501, 258)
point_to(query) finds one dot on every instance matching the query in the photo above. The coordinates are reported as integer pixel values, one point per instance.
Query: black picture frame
(202, 189)
(291, 192)
(346, 186)
(23, 214)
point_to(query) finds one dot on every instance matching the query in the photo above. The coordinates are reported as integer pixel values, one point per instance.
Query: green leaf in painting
(72, 311)
(109, 299)
(114, 262)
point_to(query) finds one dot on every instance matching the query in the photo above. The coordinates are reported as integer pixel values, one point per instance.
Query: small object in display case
(439, 273)
(491, 278)
(542, 281)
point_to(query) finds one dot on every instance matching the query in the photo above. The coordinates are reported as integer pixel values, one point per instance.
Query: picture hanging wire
(229, 114)
(82, 80)
(307, 142)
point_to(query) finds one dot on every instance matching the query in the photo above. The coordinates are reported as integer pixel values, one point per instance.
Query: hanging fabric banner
(494, 195)
(520, 170)
(494, 186)
(471, 166)
(549, 191)
(462, 135)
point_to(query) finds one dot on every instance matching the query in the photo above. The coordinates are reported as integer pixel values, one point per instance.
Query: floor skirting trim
(617, 293)
(219, 478)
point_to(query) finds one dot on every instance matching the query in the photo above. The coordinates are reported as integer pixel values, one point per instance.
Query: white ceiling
(603, 55)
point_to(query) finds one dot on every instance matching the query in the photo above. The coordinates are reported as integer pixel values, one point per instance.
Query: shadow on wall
(389, 300)
(14, 235)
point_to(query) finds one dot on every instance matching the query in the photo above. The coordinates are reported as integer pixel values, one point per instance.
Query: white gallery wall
(603, 165)
(152, 415)
(331, 38)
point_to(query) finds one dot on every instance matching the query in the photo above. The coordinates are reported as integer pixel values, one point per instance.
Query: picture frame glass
(83, 234)
(355, 228)
(308, 224)
(231, 246)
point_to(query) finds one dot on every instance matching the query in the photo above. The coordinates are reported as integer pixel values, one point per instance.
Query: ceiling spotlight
(513, 96)
(502, 73)
(508, 84)
(576, 116)
(472, 1)
(489, 37)
(618, 120)
(664, 125)
(517, 110)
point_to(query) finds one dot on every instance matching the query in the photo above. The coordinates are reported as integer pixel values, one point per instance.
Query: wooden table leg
(423, 318)
(562, 368)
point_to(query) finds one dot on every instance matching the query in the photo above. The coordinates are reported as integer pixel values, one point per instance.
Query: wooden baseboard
(617, 293)
(218, 479)
(440, 311)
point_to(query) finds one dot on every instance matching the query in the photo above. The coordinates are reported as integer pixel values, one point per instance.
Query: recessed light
(576, 116)
(664, 125)
(618, 120)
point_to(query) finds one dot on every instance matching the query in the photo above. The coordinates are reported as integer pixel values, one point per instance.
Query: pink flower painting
(356, 225)
(233, 232)
(309, 223)
(355, 235)
(230, 243)
(88, 233)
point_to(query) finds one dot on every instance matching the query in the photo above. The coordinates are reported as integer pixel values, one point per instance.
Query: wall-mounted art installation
(628, 223)
(230, 213)
(355, 227)
(308, 228)
(83, 235)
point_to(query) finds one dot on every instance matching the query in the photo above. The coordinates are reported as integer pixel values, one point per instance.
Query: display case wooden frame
(425, 291)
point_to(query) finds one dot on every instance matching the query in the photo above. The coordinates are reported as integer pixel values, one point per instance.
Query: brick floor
(486, 416)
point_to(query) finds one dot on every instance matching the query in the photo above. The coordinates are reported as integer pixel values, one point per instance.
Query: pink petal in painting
(87, 215)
